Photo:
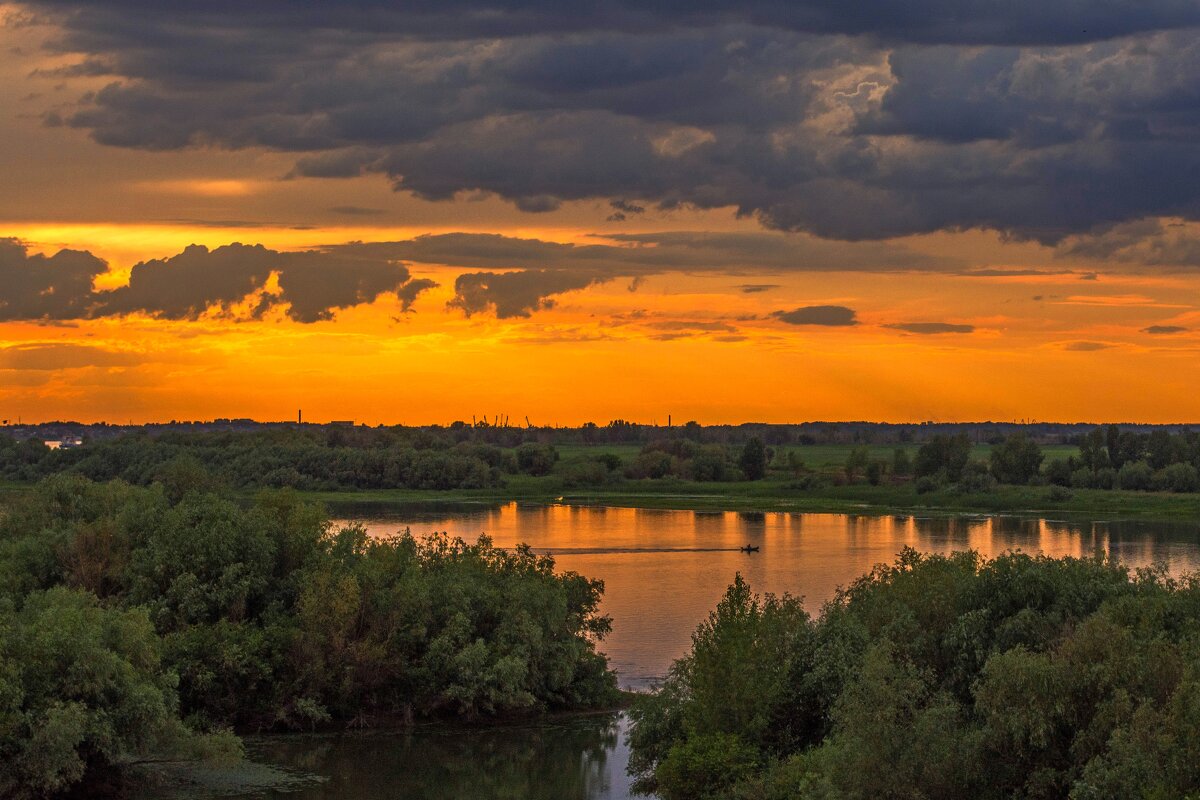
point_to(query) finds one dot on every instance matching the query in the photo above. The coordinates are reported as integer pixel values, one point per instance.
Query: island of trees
(151, 623)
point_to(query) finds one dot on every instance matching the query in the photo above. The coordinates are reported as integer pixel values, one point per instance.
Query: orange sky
(1067, 343)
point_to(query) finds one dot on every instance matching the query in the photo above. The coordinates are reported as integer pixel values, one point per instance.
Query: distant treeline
(349, 458)
(938, 678)
(135, 624)
(619, 431)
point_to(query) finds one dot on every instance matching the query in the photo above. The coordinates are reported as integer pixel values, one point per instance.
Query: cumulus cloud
(818, 315)
(308, 286)
(931, 327)
(1039, 118)
(34, 286)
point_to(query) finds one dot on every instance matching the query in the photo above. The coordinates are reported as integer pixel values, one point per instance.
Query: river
(663, 571)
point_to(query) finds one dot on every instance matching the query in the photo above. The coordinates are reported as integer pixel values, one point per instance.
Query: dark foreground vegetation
(939, 678)
(149, 623)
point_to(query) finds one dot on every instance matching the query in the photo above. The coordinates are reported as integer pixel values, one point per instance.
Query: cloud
(36, 287)
(356, 211)
(308, 286)
(57, 356)
(818, 315)
(650, 253)
(931, 327)
(1087, 347)
(515, 294)
(1042, 119)
(756, 288)
(1162, 330)
(1146, 242)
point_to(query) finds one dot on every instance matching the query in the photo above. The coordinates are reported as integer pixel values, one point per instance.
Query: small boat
(750, 548)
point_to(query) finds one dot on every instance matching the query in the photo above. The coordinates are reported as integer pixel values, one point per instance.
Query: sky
(770, 211)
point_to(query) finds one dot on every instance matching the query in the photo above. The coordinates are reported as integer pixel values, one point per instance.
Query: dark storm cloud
(34, 287)
(1038, 118)
(832, 316)
(931, 327)
(653, 252)
(961, 22)
(1147, 242)
(515, 294)
(311, 286)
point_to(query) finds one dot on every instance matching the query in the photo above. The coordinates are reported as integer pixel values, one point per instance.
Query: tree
(856, 462)
(1017, 461)
(753, 460)
(82, 689)
(946, 455)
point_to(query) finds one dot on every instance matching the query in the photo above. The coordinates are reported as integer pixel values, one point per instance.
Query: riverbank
(780, 496)
(773, 495)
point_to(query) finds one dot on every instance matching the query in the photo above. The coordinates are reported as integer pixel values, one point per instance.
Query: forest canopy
(140, 621)
(942, 678)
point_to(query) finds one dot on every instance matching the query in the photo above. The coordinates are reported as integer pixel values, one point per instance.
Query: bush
(1177, 478)
(1136, 476)
(1059, 471)
(943, 454)
(650, 464)
(1017, 461)
(536, 459)
(926, 484)
(1059, 494)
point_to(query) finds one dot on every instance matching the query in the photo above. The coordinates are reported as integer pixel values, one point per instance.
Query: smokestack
(300, 416)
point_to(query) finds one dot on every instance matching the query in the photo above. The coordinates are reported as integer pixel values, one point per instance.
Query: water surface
(663, 572)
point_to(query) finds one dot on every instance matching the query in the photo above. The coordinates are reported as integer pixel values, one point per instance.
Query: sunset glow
(576, 294)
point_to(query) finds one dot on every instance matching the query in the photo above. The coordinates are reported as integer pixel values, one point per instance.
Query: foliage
(1017, 461)
(82, 688)
(946, 456)
(131, 618)
(938, 677)
(753, 459)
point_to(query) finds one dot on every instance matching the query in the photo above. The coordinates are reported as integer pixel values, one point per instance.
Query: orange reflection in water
(665, 570)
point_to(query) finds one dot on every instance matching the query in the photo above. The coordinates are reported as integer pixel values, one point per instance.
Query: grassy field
(775, 495)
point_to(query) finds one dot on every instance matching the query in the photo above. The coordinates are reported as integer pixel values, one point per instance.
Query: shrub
(1136, 476)
(1178, 477)
(1059, 494)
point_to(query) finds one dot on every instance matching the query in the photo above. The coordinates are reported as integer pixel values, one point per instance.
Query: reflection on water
(664, 570)
(582, 758)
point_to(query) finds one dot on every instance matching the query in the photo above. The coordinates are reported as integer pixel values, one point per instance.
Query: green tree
(753, 459)
(1016, 461)
(943, 455)
(82, 690)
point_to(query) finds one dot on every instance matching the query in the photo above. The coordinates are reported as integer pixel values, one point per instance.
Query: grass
(780, 496)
